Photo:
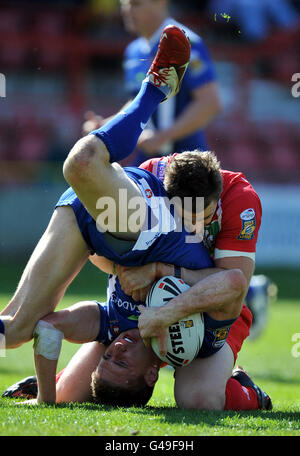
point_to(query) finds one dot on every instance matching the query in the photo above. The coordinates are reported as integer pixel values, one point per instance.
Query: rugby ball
(185, 336)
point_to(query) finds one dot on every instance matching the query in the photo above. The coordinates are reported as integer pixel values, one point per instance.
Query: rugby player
(230, 235)
(177, 125)
(62, 251)
(78, 228)
(237, 390)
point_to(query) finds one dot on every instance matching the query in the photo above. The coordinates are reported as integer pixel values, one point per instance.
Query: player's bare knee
(57, 319)
(211, 402)
(17, 333)
(201, 400)
(80, 162)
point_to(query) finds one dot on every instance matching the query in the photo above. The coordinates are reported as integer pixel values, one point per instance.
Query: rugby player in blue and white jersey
(92, 171)
(76, 229)
(178, 124)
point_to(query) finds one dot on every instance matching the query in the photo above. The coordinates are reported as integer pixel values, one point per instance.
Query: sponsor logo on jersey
(248, 225)
(248, 214)
(127, 305)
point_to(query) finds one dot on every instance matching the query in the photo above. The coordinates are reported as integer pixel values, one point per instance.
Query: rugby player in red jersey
(231, 232)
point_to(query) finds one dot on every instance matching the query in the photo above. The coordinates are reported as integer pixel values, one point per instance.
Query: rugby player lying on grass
(125, 371)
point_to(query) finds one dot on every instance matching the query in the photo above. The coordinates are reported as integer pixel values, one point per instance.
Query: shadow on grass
(173, 415)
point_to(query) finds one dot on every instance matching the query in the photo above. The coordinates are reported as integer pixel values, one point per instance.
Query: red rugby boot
(244, 379)
(171, 60)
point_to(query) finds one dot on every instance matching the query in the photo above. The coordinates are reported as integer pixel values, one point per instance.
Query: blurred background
(63, 58)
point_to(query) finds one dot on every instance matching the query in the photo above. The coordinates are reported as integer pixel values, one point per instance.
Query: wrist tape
(47, 340)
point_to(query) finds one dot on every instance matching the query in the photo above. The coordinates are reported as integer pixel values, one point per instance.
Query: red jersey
(235, 224)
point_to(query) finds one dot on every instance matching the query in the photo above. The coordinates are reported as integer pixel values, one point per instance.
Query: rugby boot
(244, 379)
(171, 60)
(24, 389)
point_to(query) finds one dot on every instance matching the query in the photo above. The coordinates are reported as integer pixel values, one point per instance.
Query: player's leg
(92, 176)
(209, 383)
(201, 385)
(56, 260)
(90, 167)
(92, 172)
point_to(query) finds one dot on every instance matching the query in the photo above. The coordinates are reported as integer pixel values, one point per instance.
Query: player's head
(193, 175)
(143, 17)
(127, 372)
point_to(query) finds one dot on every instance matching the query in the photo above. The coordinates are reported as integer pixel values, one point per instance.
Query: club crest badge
(248, 224)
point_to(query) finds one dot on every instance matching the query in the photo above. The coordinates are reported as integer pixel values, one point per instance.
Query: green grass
(268, 359)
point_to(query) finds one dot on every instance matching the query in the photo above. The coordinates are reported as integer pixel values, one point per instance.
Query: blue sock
(120, 134)
(2, 329)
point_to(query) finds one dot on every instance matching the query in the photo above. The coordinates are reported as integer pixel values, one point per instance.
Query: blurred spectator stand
(61, 59)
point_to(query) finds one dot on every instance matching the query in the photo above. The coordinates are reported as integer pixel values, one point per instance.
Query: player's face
(195, 222)
(125, 359)
(137, 14)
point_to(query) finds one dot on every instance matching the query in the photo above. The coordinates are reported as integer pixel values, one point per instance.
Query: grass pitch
(273, 360)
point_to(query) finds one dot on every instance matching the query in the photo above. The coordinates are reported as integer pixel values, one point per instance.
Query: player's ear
(151, 375)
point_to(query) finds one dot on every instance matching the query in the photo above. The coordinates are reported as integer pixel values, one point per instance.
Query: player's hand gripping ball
(185, 337)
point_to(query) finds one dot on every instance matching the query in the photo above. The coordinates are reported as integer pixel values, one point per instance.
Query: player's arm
(78, 324)
(204, 106)
(94, 121)
(74, 384)
(220, 294)
(202, 109)
(136, 281)
(102, 263)
(243, 263)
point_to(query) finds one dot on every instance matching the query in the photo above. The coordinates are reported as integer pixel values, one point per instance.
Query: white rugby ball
(185, 337)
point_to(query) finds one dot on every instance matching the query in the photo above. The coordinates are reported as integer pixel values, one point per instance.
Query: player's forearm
(46, 378)
(219, 292)
(102, 263)
(196, 117)
(189, 276)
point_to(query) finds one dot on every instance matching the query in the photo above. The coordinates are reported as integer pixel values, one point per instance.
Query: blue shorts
(162, 243)
(215, 335)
